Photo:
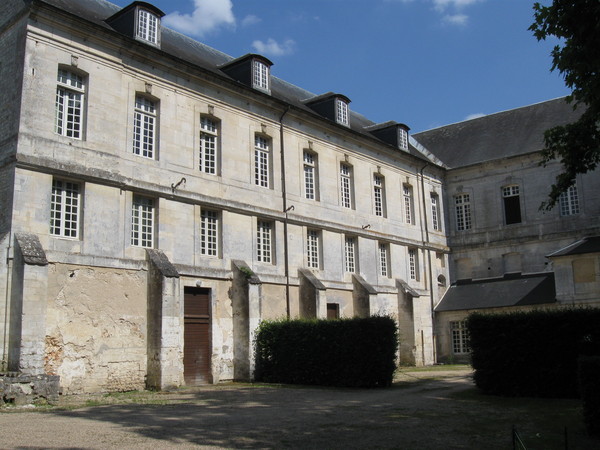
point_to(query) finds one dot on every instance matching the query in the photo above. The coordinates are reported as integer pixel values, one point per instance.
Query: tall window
(208, 145)
(346, 185)
(312, 249)
(64, 209)
(341, 112)
(350, 254)
(379, 195)
(384, 260)
(408, 204)
(142, 222)
(512, 204)
(435, 212)
(402, 139)
(147, 26)
(462, 204)
(70, 93)
(261, 161)
(310, 175)
(261, 75)
(460, 337)
(144, 127)
(413, 264)
(264, 241)
(209, 232)
(569, 202)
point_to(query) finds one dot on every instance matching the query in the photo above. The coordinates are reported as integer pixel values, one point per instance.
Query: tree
(576, 23)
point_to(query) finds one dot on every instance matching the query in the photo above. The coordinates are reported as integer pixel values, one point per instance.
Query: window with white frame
(142, 222)
(413, 264)
(408, 204)
(379, 195)
(70, 96)
(341, 113)
(209, 141)
(346, 186)
(264, 241)
(312, 248)
(512, 204)
(310, 175)
(435, 212)
(65, 206)
(462, 208)
(147, 28)
(350, 254)
(262, 157)
(460, 337)
(384, 260)
(402, 139)
(569, 201)
(209, 232)
(261, 75)
(144, 127)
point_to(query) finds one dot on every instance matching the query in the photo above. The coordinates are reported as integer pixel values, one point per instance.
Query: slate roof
(187, 49)
(510, 290)
(583, 246)
(510, 133)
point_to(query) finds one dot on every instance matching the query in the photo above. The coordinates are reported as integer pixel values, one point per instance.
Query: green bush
(532, 353)
(589, 386)
(348, 352)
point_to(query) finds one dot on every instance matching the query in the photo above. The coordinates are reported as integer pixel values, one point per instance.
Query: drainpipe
(285, 210)
(425, 226)
(4, 349)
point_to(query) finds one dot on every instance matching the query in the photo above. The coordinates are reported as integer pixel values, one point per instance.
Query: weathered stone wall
(273, 302)
(96, 336)
(17, 389)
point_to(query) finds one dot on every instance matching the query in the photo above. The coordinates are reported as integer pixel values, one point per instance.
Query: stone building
(159, 198)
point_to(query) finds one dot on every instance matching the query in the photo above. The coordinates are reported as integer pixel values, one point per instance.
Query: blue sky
(425, 63)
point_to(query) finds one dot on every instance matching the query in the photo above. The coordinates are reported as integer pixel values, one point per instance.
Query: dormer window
(261, 75)
(147, 26)
(341, 114)
(402, 139)
(251, 70)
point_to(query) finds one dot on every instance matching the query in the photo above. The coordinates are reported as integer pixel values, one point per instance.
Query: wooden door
(196, 337)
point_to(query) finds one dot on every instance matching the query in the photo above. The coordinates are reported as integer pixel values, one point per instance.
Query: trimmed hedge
(589, 385)
(532, 353)
(358, 352)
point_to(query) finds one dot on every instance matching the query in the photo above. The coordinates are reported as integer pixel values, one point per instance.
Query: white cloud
(250, 20)
(475, 116)
(274, 48)
(208, 16)
(455, 19)
(442, 5)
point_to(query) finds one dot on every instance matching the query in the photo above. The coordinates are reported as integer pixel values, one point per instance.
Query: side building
(159, 198)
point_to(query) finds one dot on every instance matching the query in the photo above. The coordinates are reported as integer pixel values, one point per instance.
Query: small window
(145, 127)
(379, 195)
(512, 204)
(209, 144)
(147, 28)
(70, 96)
(312, 249)
(402, 139)
(65, 209)
(142, 222)
(569, 201)
(341, 114)
(262, 161)
(413, 264)
(209, 232)
(333, 311)
(462, 204)
(310, 175)
(408, 204)
(460, 337)
(261, 75)
(435, 212)
(350, 254)
(264, 241)
(384, 260)
(346, 185)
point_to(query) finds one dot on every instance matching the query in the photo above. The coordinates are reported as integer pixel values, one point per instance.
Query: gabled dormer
(393, 133)
(252, 70)
(140, 21)
(332, 106)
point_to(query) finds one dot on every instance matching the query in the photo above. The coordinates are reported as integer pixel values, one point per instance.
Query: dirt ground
(423, 410)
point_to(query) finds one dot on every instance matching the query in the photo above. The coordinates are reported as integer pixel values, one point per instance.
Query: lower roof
(586, 245)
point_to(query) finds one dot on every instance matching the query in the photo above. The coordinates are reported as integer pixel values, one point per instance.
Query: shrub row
(589, 384)
(358, 352)
(533, 353)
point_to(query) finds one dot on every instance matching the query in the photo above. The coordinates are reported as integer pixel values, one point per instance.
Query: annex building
(159, 198)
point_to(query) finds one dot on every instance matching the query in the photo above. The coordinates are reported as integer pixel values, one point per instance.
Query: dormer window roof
(393, 133)
(139, 20)
(253, 70)
(331, 105)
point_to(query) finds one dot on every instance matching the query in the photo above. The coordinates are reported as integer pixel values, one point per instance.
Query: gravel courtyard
(423, 410)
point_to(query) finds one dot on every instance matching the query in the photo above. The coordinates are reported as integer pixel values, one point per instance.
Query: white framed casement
(379, 195)
(262, 161)
(264, 241)
(209, 232)
(70, 103)
(313, 249)
(145, 127)
(209, 145)
(569, 201)
(402, 139)
(350, 254)
(413, 264)
(436, 223)
(260, 75)
(148, 26)
(407, 194)
(462, 210)
(512, 204)
(346, 186)
(310, 175)
(142, 221)
(341, 112)
(65, 209)
(460, 337)
(384, 260)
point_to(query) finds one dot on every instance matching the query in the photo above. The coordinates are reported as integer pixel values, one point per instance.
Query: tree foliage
(576, 23)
